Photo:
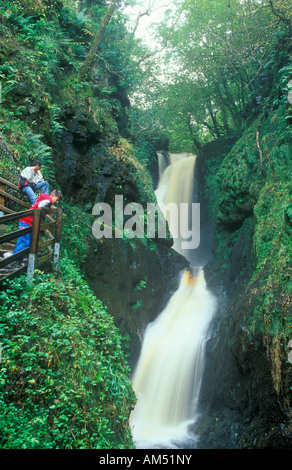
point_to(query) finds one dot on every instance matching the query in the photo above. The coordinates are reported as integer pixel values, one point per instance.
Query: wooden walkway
(45, 235)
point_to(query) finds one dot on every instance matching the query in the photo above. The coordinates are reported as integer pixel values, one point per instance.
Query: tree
(97, 40)
(282, 10)
(217, 52)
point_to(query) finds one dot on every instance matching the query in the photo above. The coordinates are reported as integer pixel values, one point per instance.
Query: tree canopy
(212, 64)
(219, 60)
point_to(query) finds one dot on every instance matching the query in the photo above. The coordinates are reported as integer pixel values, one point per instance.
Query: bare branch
(153, 53)
(146, 13)
(150, 9)
(279, 15)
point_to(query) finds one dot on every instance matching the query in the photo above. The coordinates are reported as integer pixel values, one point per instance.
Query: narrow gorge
(170, 336)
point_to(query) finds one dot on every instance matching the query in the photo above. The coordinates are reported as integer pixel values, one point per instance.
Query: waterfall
(176, 186)
(169, 370)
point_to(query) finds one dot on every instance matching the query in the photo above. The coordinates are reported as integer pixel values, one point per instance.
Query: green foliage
(141, 284)
(27, 146)
(125, 152)
(42, 48)
(145, 133)
(76, 233)
(220, 58)
(63, 377)
(255, 226)
(288, 213)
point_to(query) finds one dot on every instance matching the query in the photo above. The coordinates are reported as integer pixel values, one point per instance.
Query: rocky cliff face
(246, 390)
(52, 110)
(134, 278)
(135, 283)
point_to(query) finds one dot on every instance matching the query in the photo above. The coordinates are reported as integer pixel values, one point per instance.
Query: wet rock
(134, 282)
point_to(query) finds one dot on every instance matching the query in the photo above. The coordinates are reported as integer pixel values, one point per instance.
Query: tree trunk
(225, 120)
(196, 142)
(228, 101)
(213, 118)
(97, 40)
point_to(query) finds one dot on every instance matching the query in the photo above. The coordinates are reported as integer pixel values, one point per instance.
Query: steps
(44, 246)
(14, 268)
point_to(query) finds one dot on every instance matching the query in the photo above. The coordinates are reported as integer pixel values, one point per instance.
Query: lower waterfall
(169, 371)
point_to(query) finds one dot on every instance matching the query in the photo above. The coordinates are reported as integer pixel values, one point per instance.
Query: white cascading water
(168, 375)
(176, 186)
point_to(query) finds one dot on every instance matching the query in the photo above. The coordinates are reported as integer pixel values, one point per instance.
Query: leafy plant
(64, 378)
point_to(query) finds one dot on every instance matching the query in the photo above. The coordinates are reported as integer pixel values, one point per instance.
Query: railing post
(2, 187)
(32, 257)
(57, 239)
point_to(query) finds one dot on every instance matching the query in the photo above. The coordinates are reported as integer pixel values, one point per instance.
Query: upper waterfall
(176, 185)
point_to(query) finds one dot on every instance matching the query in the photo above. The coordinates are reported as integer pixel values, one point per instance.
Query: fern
(82, 18)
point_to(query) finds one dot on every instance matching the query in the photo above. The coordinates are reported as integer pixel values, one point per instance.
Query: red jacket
(42, 197)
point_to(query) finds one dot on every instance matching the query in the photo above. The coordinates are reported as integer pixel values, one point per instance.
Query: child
(32, 180)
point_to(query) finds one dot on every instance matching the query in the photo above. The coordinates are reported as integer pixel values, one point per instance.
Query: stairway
(44, 246)
(13, 268)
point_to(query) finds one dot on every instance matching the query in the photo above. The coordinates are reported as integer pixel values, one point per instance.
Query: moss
(135, 171)
(254, 213)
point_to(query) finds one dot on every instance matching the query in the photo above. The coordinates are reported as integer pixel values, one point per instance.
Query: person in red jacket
(44, 201)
